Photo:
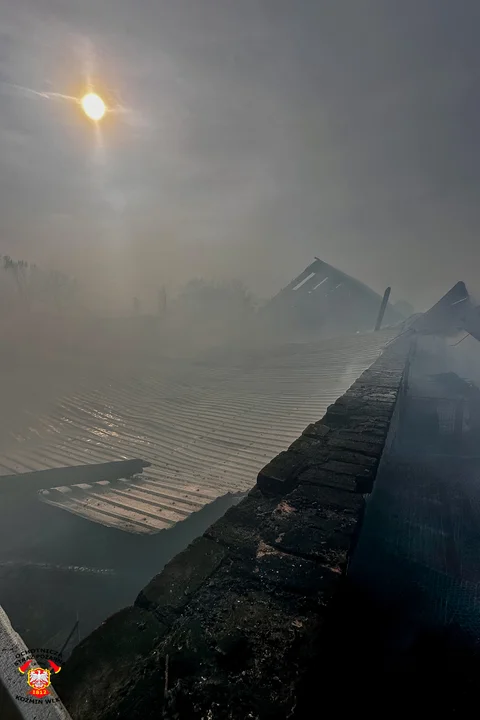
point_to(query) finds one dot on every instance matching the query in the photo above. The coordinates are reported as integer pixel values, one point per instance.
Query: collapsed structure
(238, 624)
(231, 626)
(246, 621)
(324, 300)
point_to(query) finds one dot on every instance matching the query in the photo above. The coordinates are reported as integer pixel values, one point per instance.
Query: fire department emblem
(38, 679)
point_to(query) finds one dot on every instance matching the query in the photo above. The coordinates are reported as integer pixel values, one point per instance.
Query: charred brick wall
(230, 627)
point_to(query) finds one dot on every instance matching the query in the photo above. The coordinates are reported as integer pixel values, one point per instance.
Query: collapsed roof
(324, 298)
(455, 312)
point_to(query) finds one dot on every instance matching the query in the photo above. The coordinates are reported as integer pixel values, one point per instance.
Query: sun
(93, 106)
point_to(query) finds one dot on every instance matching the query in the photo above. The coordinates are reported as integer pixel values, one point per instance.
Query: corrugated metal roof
(207, 429)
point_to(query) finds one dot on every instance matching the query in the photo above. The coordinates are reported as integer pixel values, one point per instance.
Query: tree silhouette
(52, 289)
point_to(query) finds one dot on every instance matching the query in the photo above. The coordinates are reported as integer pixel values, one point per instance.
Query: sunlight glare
(93, 106)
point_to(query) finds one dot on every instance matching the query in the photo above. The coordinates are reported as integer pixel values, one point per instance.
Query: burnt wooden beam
(64, 476)
(383, 307)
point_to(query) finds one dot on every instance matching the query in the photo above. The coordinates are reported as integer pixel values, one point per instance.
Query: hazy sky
(245, 137)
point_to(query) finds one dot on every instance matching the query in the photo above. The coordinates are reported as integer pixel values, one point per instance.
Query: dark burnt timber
(231, 626)
(383, 307)
(65, 476)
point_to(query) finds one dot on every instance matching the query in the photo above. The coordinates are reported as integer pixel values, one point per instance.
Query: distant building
(325, 300)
